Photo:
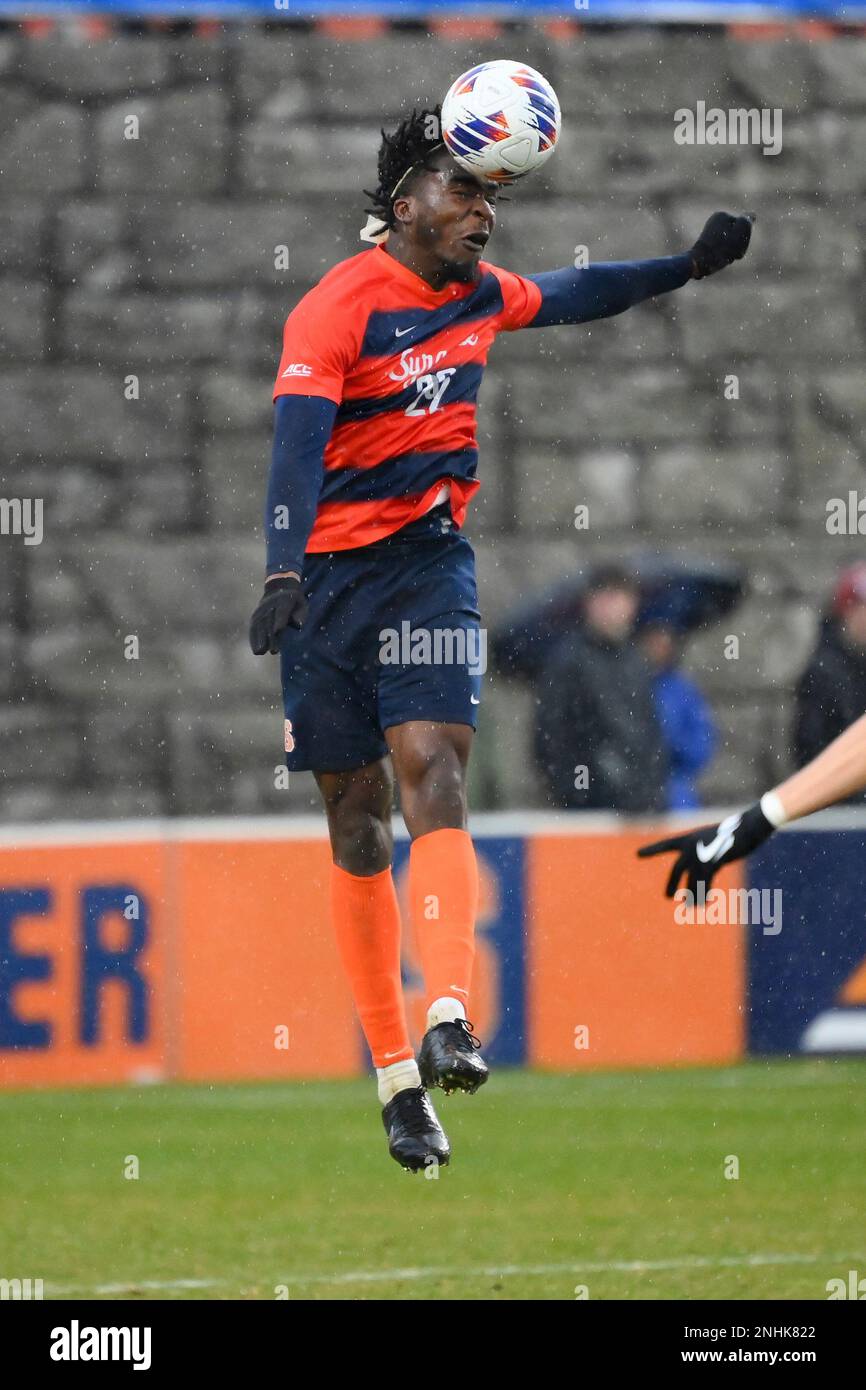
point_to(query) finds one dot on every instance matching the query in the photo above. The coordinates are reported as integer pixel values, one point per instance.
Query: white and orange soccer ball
(501, 120)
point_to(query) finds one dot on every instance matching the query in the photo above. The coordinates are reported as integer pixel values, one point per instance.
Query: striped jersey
(403, 363)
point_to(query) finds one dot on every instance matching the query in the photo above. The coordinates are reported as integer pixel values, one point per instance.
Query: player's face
(454, 216)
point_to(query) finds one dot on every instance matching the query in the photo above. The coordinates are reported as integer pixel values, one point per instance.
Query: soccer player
(832, 776)
(370, 587)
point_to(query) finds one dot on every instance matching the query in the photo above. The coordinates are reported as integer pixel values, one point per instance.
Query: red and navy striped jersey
(403, 363)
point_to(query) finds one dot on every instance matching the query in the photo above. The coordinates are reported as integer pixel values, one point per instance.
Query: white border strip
(175, 829)
(217, 829)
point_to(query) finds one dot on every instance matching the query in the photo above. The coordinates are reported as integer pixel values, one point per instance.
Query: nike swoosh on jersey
(398, 332)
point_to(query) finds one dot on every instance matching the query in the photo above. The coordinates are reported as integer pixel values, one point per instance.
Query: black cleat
(415, 1137)
(449, 1058)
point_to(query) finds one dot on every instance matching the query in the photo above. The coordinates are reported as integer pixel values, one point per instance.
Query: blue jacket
(688, 729)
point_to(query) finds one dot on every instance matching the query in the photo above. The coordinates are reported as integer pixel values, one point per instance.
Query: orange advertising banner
(83, 959)
(614, 979)
(263, 989)
(202, 956)
(135, 962)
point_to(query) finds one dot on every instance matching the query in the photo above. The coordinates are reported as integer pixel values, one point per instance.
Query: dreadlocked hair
(410, 144)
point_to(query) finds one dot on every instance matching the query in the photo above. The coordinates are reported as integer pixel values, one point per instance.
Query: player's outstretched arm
(599, 291)
(302, 427)
(833, 775)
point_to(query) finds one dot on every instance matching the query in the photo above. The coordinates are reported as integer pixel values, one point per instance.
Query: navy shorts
(392, 634)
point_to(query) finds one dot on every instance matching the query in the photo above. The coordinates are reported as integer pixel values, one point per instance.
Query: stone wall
(155, 258)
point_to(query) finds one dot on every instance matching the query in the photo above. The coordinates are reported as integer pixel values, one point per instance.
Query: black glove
(723, 240)
(282, 605)
(702, 852)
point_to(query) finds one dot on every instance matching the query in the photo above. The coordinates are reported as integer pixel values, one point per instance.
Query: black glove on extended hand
(282, 605)
(702, 852)
(724, 239)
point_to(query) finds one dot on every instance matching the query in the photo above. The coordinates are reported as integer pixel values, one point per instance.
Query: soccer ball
(501, 120)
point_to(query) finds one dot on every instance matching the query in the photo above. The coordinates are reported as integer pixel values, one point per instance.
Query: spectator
(831, 692)
(682, 711)
(597, 741)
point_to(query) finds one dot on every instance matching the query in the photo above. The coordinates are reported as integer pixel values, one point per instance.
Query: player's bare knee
(361, 843)
(433, 789)
(435, 768)
(358, 805)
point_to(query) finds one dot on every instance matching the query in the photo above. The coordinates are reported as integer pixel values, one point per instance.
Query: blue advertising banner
(499, 979)
(806, 985)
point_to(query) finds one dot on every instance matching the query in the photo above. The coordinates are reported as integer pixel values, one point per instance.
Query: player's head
(426, 199)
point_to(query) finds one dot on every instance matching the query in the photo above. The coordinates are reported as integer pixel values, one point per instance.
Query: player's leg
(430, 760)
(366, 920)
(329, 697)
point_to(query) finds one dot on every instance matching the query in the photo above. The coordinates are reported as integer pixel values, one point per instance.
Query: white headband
(376, 228)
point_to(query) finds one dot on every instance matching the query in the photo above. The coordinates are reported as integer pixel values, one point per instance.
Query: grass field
(610, 1180)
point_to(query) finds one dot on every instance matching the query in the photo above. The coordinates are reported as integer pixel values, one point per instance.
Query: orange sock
(443, 895)
(366, 919)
